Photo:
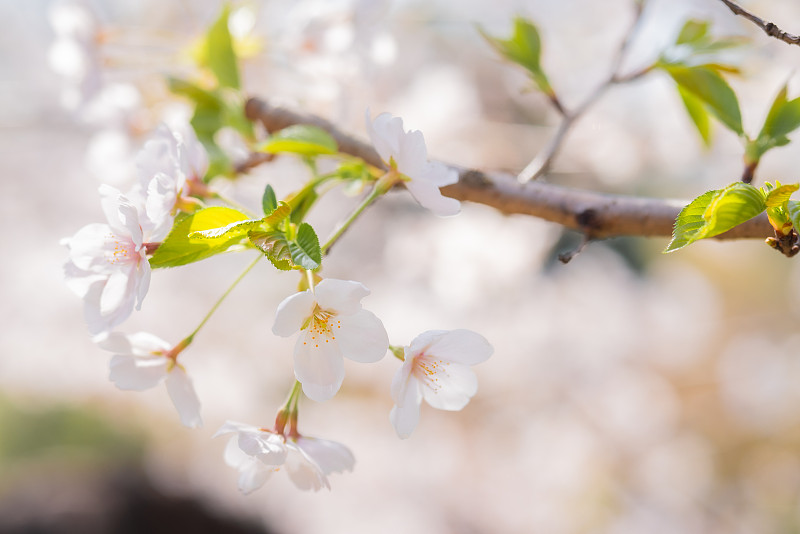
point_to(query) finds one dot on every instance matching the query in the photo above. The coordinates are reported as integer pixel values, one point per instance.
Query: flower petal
(461, 346)
(252, 475)
(447, 385)
(384, 132)
(292, 313)
(318, 366)
(405, 413)
(429, 196)
(342, 296)
(330, 456)
(303, 470)
(138, 344)
(361, 336)
(184, 397)
(438, 174)
(138, 374)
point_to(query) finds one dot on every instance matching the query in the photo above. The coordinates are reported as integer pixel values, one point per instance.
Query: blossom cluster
(109, 269)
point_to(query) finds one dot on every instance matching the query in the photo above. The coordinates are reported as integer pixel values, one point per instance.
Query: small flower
(257, 452)
(171, 164)
(108, 265)
(406, 152)
(142, 361)
(333, 325)
(436, 368)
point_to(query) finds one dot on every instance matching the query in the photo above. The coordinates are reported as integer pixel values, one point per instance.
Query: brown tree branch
(597, 215)
(769, 28)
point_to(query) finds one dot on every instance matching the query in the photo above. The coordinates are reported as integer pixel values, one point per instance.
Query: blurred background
(629, 391)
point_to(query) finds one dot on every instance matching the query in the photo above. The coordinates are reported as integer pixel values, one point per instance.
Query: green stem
(375, 193)
(188, 339)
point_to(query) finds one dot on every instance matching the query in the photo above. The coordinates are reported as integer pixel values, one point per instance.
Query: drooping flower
(436, 368)
(142, 361)
(108, 265)
(333, 326)
(406, 152)
(257, 452)
(171, 164)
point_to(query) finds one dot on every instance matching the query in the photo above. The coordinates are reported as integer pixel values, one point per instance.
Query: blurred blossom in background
(629, 391)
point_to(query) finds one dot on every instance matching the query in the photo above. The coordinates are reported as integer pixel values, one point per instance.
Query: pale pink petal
(420, 343)
(269, 448)
(438, 174)
(138, 344)
(87, 248)
(413, 155)
(98, 322)
(461, 346)
(252, 475)
(304, 471)
(400, 379)
(137, 374)
(122, 216)
(80, 281)
(292, 313)
(429, 196)
(142, 280)
(159, 155)
(341, 296)
(184, 397)
(318, 366)
(361, 336)
(330, 456)
(446, 385)
(234, 426)
(117, 292)
(384, 132)
(405, 413)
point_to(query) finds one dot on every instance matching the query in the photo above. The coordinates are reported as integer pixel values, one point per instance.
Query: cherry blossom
(333, 326)
(406, 152)
(257, 453)
(142, 361)
(108, 265)
(436, 368)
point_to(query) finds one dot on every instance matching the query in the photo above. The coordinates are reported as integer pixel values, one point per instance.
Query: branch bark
(769, 28)
(598, 215)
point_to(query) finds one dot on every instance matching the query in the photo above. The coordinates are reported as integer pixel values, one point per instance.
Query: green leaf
(276, 216)
(217, 54)
(778, 195)
(793, 207)
(305, 249)
(302, 139)
(229, 231)
(268, 200)
(783, 117)
(698, 114)
(715, 212)
(693, 31)
(524, 48)
(712, 89)
(180, 248)
(275, 246)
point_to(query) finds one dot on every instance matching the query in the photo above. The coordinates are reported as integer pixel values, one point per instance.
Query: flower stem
(288, 412)
(188, 339)
(381, 186)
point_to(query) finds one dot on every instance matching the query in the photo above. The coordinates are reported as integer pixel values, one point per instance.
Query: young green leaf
(715, 212)
(524, 48)
(217, 54)
(229, 231)
(275, 246)
(793, 208)
(268, 200)
(305, 249)
(693, 31)
(276, 216)
(707, 85)
(302, 139)
(180, 248)
(778, 195)
(782, 119)
(698, 114)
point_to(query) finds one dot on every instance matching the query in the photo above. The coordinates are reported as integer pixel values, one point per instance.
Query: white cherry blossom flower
(142, 361)
(169, 164)
(257, 453)
(407, 152)
(108, 265)
(333, 326)
(436, 368)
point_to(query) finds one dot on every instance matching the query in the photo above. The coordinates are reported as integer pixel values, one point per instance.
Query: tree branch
(769, 28)
(597, 215)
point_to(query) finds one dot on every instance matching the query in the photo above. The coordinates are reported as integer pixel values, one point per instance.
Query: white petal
(400, 380)
(252, 475)
(421, 343)
(461, 346)
(234, 426)
(80, 281)
(384, 132)
(122, 215)
(304, 471)
(405, 414)
(438, 174)
(292, 313)
(361, 336)
(447, 385)
(117, 292)
(87, 248)
(269, 448)
(141, 281)
(138, 344)
(330, 456)
(138, 374)
(184, 397)
(318, 366)
(413, 155)
(429, 196)
(342, 296)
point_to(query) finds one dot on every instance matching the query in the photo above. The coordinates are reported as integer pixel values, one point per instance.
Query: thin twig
(541, 163)
(769, 28)
(598, 214)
